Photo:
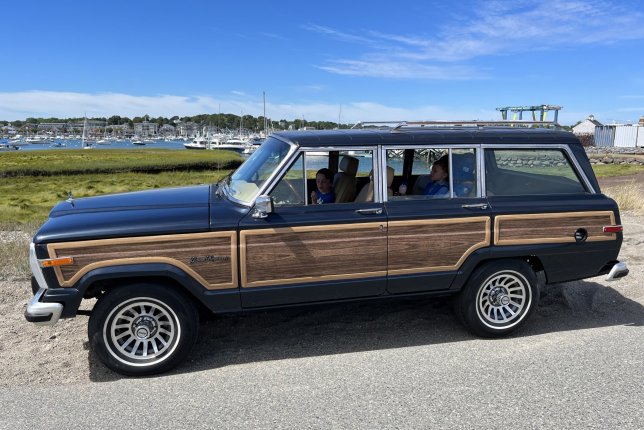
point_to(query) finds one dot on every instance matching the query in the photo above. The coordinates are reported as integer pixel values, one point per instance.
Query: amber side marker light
(613, 229)
(54, 262)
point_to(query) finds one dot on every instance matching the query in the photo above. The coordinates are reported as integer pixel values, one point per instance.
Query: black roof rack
(406, 125)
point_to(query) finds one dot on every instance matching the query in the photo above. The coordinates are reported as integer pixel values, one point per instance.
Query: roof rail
(405, 125)
(475, 123)
(382, 124)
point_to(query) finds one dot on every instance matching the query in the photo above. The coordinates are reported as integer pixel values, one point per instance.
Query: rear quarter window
(530, 171)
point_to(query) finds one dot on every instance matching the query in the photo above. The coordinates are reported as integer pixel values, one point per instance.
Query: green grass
(610, 170)
(29, 199)
(78, 161)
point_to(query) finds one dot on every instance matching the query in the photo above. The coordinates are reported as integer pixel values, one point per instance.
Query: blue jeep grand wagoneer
(478, 211)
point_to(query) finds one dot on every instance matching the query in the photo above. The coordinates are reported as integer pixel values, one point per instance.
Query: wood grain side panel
(434, 245)
(210, 258)
(309, 254)
(551, 228)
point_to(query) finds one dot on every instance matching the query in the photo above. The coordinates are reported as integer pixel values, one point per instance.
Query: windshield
(249, 178)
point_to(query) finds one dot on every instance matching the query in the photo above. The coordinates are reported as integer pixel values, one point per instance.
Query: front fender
(218, 301)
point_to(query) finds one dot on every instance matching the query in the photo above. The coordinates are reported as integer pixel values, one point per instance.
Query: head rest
(390, 176)
(349, 165)
(463, 167)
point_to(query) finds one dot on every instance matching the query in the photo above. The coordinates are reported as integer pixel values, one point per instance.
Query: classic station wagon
(516, 205)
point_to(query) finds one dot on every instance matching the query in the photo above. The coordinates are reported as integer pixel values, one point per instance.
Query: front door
(304, 252)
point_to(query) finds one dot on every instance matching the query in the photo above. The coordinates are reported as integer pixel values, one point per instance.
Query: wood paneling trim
(137, 245)
(246, 236)
(481, 240)
(551, 226)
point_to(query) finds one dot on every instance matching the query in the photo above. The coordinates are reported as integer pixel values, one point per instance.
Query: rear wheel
(143, 329)
(498, 298)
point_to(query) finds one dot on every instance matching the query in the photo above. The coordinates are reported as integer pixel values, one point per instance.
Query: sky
(333, 60)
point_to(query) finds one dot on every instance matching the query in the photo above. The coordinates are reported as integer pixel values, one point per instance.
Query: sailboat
(104, 140)
(85, 143)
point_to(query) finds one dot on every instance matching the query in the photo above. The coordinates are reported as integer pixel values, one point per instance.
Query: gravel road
(579, 363)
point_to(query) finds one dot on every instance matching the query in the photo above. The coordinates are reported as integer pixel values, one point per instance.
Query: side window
(529, 171)
(327, 177)
(290, 190)
(350, 175)
(432, 170)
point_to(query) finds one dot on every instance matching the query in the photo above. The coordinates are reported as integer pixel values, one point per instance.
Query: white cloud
(45, 104)
(492, 28)
(401, 70)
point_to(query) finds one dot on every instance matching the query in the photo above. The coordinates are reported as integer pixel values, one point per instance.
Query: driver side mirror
(263, 206)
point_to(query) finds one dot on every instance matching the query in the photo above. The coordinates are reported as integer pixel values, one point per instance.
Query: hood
(162, 211)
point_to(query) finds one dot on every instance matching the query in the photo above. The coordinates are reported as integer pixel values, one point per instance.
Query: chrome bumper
(619, 270)
(42, 313)
(37, 312)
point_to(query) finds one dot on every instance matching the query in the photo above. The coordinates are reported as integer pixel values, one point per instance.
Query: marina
(60, 143)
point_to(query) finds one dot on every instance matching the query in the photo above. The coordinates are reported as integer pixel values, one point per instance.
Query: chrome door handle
(481, 206)
(372, 211)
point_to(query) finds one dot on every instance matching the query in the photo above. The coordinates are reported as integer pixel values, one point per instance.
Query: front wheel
(498, 298)
(143, 329)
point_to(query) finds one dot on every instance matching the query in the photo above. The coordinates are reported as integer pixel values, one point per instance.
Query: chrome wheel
(141, 332)
(503, 299)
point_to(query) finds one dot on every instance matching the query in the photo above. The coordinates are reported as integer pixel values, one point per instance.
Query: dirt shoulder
(612, 181)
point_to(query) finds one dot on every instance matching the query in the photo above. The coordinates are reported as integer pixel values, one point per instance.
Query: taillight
(613, 229)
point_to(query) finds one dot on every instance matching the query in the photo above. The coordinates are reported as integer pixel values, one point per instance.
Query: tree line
(222, 120)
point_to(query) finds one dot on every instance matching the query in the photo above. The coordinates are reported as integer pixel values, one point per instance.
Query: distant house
(642, 120)
(587, 126)
(145, 128)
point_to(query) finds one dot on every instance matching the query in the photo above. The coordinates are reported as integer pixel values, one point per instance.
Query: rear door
(431, 235)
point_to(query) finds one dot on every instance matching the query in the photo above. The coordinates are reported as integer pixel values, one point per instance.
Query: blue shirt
(324, 198)
(436, 189)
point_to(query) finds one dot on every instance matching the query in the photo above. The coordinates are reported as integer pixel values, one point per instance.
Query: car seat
(464, 174)
(366, 193)
(344, 182)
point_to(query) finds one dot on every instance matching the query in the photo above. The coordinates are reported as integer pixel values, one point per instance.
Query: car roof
(433, 136)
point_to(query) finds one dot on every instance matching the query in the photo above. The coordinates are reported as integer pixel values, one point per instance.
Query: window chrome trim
(382, 179)
(450, 173)
(480, 160)
(286, 162)
(565, 148)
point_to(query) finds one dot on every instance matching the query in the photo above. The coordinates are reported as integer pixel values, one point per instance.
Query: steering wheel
(294, 190)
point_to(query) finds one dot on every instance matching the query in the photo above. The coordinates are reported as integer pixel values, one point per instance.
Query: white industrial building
(620, 135)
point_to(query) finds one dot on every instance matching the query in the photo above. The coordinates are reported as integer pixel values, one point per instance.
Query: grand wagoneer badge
(209, 259)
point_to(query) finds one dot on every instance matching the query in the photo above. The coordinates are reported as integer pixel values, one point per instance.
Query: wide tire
(498, 298)
(143, 329)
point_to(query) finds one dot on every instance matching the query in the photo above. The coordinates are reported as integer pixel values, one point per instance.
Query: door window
(327, 177)
(435, 173)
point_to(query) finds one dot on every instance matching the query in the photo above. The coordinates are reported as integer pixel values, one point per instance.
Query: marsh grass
(15, 256)
(29, 199)
(71, 162)
(629, 196)
(14, 249)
